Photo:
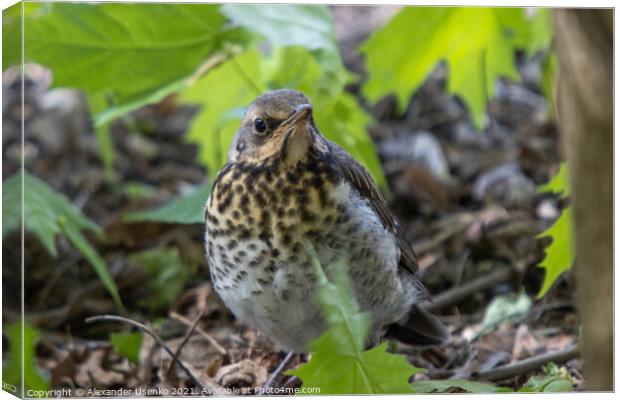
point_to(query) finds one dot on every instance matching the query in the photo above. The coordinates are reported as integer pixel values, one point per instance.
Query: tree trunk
(585, 107)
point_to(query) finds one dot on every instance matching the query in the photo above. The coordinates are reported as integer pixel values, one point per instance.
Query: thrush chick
(285, 187)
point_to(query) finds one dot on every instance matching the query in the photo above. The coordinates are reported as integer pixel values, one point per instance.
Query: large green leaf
(11, 34)
(337, 113)
(48, 213)
(283, 25)
(12, 367)
(374, 371)
(309, 26)
(477, 43)
(120, 54)
(339, 364)
(186, 209)
(222, 94)
(561, 253)
(12, 29)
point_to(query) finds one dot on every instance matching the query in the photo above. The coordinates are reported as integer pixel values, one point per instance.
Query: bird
(285, 187)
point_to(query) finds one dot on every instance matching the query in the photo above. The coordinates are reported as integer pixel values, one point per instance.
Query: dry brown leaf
(419, 184)
(559, 342)
(525, 344)
(92, 373)
(245, 373)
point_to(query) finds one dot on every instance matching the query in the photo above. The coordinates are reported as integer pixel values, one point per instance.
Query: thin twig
(459, 293)
(209, 338)
(460, 267)
(539, 310)
(185, 339)
(287, 359)
(529, 364)
(151, 333)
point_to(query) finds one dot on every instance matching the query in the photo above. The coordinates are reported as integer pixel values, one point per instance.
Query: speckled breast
(258, 216)
(258, 221)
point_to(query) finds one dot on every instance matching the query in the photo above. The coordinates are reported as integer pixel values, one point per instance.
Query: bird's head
(278, 124)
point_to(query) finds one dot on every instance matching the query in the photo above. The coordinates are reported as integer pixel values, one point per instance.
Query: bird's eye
(260, 125)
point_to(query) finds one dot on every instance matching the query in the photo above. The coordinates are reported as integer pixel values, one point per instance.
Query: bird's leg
(292, 382)
(276, 373)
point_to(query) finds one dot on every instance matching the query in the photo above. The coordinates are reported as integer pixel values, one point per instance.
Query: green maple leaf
(477, 43)
(339, 364)
(561, 253)
(559, 183)
(374, 371)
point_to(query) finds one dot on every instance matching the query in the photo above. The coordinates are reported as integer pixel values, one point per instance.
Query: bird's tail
(420, 328)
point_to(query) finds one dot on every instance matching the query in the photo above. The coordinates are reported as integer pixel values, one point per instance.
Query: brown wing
(361, 180)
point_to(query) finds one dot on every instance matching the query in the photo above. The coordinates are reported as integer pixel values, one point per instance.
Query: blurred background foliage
(478, 44)
(109, 51)
(219, 58)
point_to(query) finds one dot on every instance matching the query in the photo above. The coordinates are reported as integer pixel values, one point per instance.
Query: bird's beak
(296, 136)
(302, 113)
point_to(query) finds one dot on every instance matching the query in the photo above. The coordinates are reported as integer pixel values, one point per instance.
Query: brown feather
(361, 180)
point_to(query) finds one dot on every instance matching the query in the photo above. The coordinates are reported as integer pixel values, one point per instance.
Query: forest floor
(468, 201)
